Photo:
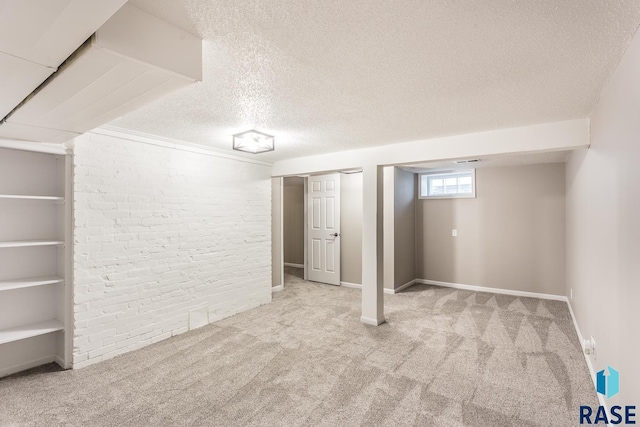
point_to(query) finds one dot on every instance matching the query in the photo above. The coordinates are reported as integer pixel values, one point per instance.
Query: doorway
(293, 227)
(323, 229)
(311, 228)
(294, 205)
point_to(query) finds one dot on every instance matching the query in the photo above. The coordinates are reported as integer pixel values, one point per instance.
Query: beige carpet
(445, 358)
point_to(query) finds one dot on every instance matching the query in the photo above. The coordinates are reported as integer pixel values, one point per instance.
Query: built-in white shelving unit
(28, 331)
(35, 258)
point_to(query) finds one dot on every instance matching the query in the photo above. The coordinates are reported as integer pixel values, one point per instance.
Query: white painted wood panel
(136, 34)
(46, 32)
(33, 133)
(36, 36)
(93, 90)
(132, 60)
(18, 78)
(316, 245)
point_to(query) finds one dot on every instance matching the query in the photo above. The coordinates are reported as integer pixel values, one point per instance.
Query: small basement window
(452, 184)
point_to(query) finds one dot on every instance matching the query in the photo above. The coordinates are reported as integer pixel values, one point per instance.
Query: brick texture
(166, 240)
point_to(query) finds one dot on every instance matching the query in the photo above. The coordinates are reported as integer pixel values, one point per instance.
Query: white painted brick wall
(165, 240)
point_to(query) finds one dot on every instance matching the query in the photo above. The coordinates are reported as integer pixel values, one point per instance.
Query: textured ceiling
(493, 162)
(332, 75)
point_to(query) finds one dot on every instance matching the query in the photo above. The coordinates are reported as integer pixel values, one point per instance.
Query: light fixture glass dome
(253, 141)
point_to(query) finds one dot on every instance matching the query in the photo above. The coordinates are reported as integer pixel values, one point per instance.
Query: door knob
(334, 234)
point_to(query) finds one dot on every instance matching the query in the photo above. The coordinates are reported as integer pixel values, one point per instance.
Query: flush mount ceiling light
(253, 141)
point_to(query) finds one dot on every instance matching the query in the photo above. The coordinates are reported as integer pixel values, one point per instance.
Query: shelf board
(26, 197)
(26, 243)
(28, 331)
(29, 282)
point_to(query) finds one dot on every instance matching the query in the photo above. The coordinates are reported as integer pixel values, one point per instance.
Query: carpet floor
(445, 357)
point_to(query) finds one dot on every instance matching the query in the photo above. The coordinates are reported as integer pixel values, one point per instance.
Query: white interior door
(323, 229)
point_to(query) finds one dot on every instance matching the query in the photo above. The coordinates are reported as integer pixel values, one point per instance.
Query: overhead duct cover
(36, 36)
(133, 59)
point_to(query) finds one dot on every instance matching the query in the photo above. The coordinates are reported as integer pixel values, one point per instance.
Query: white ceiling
(334, 75)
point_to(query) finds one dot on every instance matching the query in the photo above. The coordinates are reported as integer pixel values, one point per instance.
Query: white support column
(372, 246)
(277, 244)
(388, 234)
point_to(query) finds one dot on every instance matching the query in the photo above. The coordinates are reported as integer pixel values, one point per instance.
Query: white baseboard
(370, 321)
(465, 287)
(290, 264)
(26, 365)
(493, 290)
(351, 285)
(277, 288)
(401, 287)
(587, 359)
(386, 291)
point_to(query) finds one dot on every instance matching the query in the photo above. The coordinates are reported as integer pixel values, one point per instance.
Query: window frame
(444, 174)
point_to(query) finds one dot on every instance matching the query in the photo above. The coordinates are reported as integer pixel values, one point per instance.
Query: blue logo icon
(608, 385)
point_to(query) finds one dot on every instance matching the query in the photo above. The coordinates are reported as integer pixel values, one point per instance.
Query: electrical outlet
(571, 293)
(590, 347)
(454, 232)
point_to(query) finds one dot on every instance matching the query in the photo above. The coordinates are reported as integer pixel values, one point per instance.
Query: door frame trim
(282, 232)
(306, 222)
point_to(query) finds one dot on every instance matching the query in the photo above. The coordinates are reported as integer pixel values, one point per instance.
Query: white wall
(404, 217)
(166, 240)
(510, 236)
(293, 224)
(399, 227)
(277, 261)
(603, 228)
(351, 228)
